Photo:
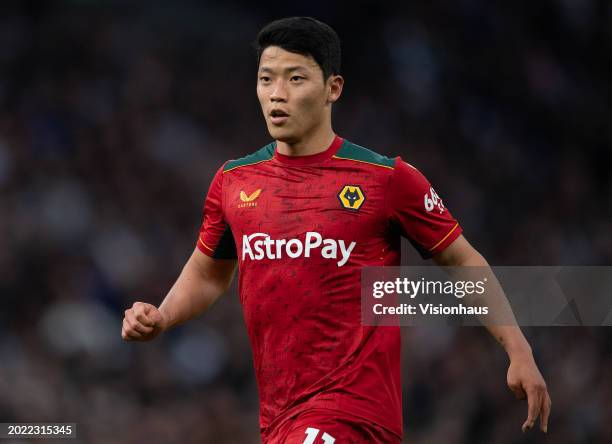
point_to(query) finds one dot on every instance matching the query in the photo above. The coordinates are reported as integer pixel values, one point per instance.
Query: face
(294, 97)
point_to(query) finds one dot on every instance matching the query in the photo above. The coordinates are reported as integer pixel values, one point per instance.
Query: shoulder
(261, 155)
(403, 176)
(357, 153)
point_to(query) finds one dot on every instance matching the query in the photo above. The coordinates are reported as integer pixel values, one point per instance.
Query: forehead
(275, 57)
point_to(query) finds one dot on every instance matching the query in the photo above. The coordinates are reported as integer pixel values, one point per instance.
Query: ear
(334, 88)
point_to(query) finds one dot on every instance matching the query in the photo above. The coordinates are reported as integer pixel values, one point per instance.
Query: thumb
(516, 387)
(518, 392)
(155, 316)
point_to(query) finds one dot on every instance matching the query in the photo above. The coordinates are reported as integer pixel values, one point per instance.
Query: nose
(279, 92)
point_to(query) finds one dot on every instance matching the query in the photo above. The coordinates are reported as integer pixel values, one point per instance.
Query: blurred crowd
(114, 117)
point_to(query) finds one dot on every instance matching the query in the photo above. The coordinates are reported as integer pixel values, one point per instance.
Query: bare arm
(523, 378)
(461, 253)
(201, 282)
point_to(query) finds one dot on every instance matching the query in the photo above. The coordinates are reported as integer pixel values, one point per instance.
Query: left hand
(525, 380)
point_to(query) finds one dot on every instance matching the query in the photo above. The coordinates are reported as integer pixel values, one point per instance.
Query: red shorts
(319, 426)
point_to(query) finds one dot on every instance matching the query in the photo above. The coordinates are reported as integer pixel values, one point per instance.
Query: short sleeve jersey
(302, 227)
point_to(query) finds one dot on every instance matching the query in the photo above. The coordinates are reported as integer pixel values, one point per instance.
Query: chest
(293, 201)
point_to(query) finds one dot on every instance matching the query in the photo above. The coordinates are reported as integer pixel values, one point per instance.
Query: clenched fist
(142, 322)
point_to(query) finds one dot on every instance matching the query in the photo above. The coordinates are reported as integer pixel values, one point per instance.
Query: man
(301, 217)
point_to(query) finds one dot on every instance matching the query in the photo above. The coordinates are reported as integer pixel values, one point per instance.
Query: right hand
(142, 322)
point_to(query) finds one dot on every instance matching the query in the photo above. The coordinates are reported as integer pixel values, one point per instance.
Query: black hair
(306, 36)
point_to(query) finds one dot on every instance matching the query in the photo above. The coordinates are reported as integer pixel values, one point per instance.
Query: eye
(264, 79)
(297, 78)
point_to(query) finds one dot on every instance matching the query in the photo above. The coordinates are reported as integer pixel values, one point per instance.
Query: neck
(315, 143)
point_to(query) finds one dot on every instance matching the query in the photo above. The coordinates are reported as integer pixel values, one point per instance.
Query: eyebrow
(288, 69)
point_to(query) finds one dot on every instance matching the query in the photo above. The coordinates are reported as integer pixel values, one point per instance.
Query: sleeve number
(312, 433)
(433, 201)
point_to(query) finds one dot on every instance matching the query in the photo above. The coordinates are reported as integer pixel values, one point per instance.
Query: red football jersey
(301, 229)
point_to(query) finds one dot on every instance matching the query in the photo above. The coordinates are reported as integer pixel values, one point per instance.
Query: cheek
(312, 104)
(261, 95)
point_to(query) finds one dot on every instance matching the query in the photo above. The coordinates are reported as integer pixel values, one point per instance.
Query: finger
(130, 317)
(155, 317)
(148, 314)
(140, 308)
(127, 336)
(130, 331)
(141, 316)
(146, 309)
(545, 413)
(534, 403)
(132, 335)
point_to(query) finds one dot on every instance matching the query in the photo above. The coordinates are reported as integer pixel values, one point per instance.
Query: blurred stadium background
(115, 115)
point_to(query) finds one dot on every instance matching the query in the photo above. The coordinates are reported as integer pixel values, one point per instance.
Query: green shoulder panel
(351, 151)
(261, 155)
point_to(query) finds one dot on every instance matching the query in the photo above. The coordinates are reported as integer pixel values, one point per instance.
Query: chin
(282, 134)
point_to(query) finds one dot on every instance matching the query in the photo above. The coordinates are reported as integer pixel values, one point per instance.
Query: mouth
(278, 116)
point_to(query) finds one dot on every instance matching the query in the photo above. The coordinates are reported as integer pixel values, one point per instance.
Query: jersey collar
(312, 158)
